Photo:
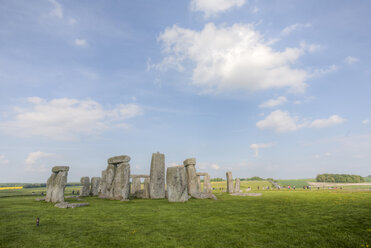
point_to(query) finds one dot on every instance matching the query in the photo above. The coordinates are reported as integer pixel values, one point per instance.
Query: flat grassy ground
(298, 183)
(279, 218)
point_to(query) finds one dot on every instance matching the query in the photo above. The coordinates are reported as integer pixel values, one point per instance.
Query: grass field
(298, 183)
(282, 218)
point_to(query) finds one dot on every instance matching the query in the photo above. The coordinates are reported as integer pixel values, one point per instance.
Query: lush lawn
(276, 219)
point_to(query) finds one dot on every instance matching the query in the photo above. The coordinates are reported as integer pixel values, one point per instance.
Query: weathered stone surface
(202, 174)
(103, 185)
(57, 169)
(56, 184)
(135, 185)
(119, 159)
(190, 165)
(139, 176)
(121, 183)
(146, 188)
(157, 176)
(237, 185)
(203, 195)
(85, 189)
(94, 185)
(207, 184)
(246, 194)
(70, 205)
(229, 182)
(110, 175)
(177, 184)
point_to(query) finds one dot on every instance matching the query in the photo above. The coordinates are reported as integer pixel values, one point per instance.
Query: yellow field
(4, 188)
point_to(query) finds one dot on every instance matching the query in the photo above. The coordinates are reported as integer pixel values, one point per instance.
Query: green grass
(298, 183)
(283, 218)
(367, 179)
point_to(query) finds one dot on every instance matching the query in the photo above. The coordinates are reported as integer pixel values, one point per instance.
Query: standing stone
(121, 182)
(237, 185)
(190, 165)
(85, 190)
(207, 184)
(146, 188)
(177, 184)
(199, 183)
(95, 181)
(157, 176)
(103, 185)
(56, 184)
(135, 186)
(110, 175)
(229, 182)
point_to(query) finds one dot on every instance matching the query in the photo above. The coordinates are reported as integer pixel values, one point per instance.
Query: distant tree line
(339, 178)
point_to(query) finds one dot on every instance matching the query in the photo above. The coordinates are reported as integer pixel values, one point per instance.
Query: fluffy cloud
(282, 121)
(232, 58)
(81, 42)
(66, 118)
(256, 147)
(33, 157)
(215, 166)
(3, 160)
(331, 121)
(273, 102)
(291, 28)
(351, 60)
(366, 122)
(212, 7)
(57, 11)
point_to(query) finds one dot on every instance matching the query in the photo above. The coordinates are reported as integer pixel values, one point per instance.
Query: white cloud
(33, 157)
(231, 58)
(66, 118)
(331, 121)
(3, 160)
(291, 28)
(215, 166)
(351, 60)
(213, 7)
(366, 122)
(320, 72)
(81, 42)
(57, 11)
(256, 147)
(273, 102)
(280, 121)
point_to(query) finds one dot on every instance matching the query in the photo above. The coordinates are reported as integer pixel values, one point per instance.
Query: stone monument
(177, 184)
(95, 181)
(56, 184)
(229, 182)
(157, 176)
(85, 190)
(190, 165)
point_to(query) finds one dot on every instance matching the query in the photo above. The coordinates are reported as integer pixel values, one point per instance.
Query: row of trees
(339, 178)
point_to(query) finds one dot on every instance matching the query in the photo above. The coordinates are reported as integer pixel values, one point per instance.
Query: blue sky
(262, 88)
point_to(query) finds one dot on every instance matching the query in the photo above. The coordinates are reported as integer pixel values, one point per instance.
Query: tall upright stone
(117, 178)
(177, 184)
(190, 165)
(102, 185)
(56, 184)
(199, 183)
(229, 182)
(157, 176)
(94, 185)
(85, 190)
(135, 185)
(146, 188)
(207, 184)
(237, 185)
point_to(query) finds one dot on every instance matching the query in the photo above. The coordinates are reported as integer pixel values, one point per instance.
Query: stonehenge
(237, 185)
(157, 176)
(56, 184)
(116, 185)
(136, 190)
(190, 165)
(177, 185)
(102, 185)
(95, 181)
(207, 185)
(85, 190)
(229, 182)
